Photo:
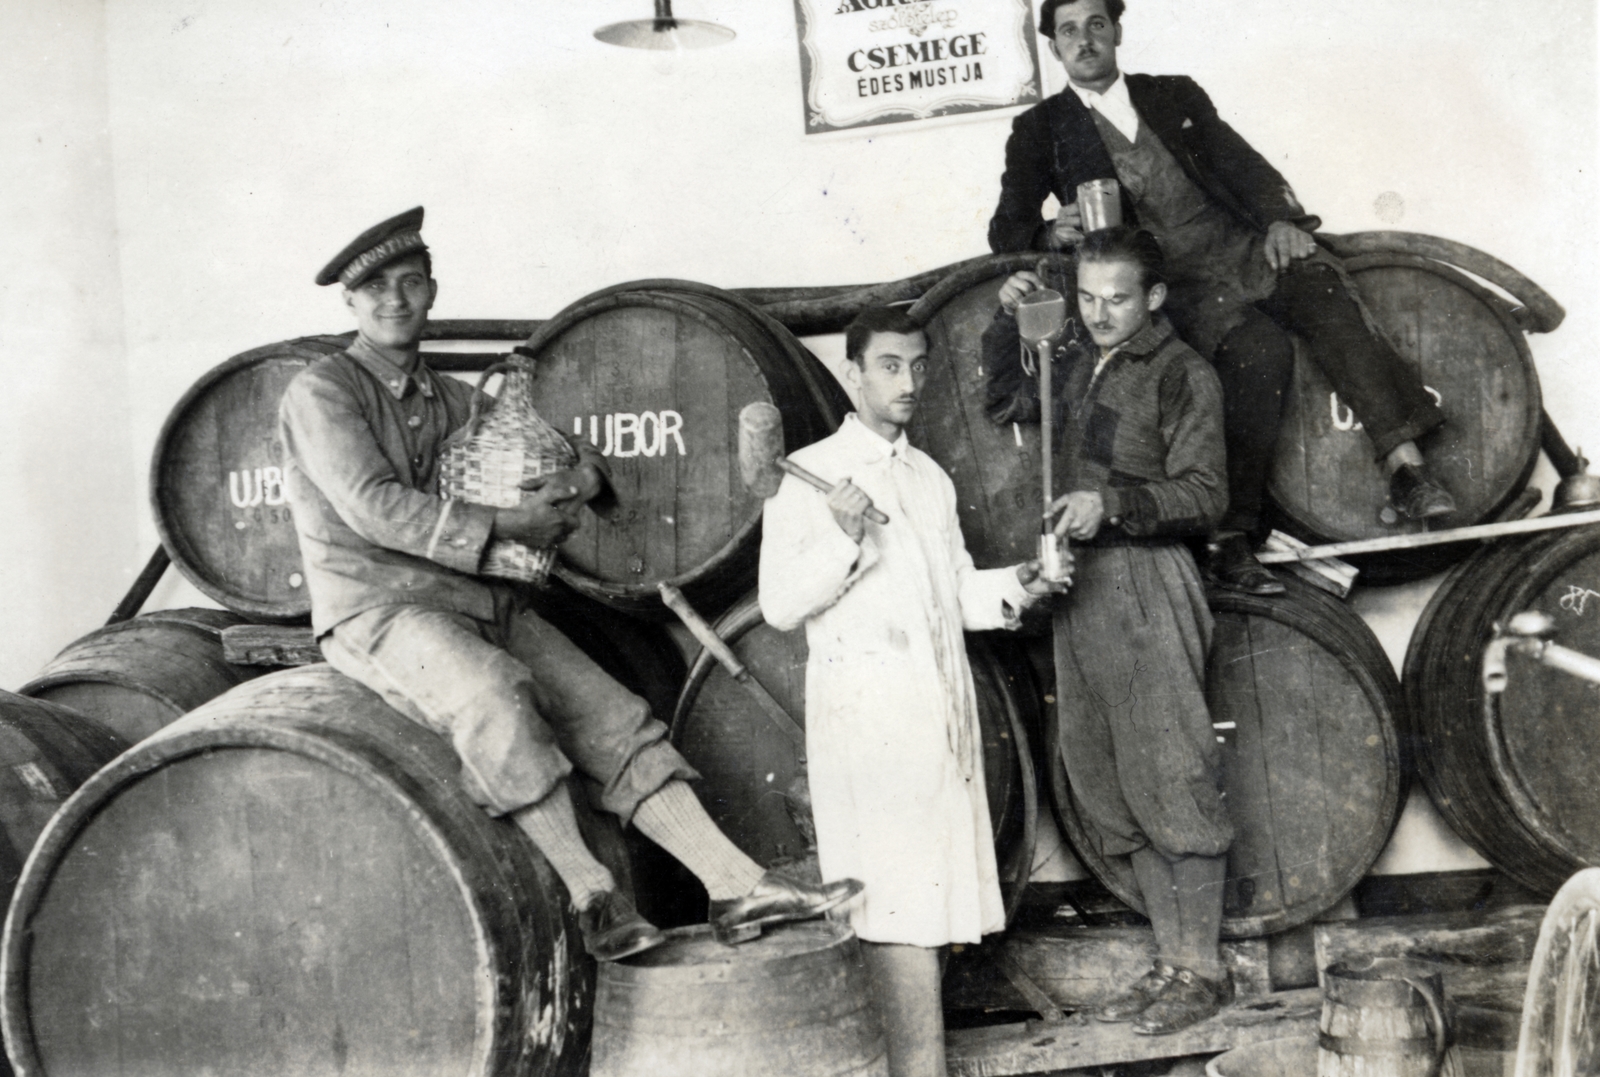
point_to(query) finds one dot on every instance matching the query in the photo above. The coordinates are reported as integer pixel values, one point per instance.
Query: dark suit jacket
(1055, 146)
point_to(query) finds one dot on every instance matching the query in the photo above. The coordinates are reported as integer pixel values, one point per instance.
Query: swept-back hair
(1047, 13)
(1124, 244)
(870, 322)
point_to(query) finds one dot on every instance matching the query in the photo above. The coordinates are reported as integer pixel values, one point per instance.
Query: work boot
(776, 899)
(1138, 998)
(1417, 497)
(1188, 999)
(1233, 565)
(613, 929)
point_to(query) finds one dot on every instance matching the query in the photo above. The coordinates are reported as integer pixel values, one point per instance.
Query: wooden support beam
(1035, 1047)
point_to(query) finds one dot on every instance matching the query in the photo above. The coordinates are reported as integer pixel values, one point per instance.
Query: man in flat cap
(397, 605)
(1242, 265)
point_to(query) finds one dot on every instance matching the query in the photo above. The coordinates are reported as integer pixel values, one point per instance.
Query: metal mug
(1099, 204)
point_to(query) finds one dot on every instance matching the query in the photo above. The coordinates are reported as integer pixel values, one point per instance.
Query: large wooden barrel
(1469, 349)
(1513, 774)
(748, 764)
(654, 373)
(794, 1002)
(996, 469)
(46, 752)
(1307, 708)
(216, 483)
(137, 676)
(290, 880)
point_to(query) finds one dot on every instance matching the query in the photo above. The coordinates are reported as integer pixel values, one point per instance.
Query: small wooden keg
(1512, 773)
(653, 374)
(1382, 1019)
(793, 1002)
(136, 676)
(290, 880)
(1306, 705)
(216, 483)
(748, 765)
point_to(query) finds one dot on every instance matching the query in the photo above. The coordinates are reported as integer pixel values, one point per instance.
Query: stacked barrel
(278, 872)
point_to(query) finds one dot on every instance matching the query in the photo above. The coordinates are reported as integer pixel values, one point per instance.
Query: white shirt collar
(872, 446)
(1114, 104)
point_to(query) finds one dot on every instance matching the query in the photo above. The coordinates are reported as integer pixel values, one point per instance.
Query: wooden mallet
(761, 461)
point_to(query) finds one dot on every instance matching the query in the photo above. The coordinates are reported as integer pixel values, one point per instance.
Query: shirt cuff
(1112, 499)
(1014, 600)
(460, 536)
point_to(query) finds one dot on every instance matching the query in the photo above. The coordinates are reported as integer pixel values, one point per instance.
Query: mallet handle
(805, 476)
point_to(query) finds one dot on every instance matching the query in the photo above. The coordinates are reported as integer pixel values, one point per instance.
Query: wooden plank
(1079, 966)
(1034, 1047)
(1484, 957)
(270, 645)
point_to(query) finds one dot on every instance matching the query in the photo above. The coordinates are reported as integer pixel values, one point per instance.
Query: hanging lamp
(664, 32)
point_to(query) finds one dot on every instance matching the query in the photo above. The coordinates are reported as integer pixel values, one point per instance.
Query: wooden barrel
(748, 764)
(1471, 353)
(1381, 1018)
(793, 1002)
(136, 676)
(290, 880)
(46, 752)
(216, 483)
(996, 469)
(1307, 708)
(1513, 774)
(654, 373)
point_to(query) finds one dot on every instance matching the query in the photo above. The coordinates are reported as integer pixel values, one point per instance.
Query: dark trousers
(1255, 363)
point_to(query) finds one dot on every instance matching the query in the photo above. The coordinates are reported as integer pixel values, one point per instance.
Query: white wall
(67, 482)
(252, 140)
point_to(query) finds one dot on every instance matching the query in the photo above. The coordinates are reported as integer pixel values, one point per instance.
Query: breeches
(521, 704)
(1130, 644)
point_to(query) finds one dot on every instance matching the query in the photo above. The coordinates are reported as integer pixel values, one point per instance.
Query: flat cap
(373, 248)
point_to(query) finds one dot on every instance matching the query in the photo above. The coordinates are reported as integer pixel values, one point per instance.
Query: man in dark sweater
(1243, 267)
(1141, 456)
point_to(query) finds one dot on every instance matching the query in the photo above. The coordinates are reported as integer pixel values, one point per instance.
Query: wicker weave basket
(487, 460)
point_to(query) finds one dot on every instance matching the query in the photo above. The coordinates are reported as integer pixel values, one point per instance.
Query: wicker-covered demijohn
(487, 461)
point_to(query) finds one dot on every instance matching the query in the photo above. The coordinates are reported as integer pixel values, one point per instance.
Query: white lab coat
(892, 739)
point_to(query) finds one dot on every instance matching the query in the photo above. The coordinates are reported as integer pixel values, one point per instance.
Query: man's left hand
(585, 479)
(1287, 244)
(1082, 513)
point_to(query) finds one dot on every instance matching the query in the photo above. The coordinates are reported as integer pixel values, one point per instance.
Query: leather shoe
(1188, 999)
(613, 929)
(1233, 565)
(1418, 497)
(776, 898)
(1138, 998)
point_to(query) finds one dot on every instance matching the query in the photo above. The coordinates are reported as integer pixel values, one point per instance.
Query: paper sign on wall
(865, 62)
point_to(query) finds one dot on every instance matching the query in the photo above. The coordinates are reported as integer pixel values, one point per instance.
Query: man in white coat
(892, 743)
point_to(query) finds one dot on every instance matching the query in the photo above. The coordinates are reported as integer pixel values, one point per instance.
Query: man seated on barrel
(1243, 267)
(1141, 456)
(396, 604)
(892, 741)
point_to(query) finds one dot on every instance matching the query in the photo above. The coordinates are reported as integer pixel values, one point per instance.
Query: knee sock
(1156, 886)
(553, 826)
(673, 818)
(1199, 882)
